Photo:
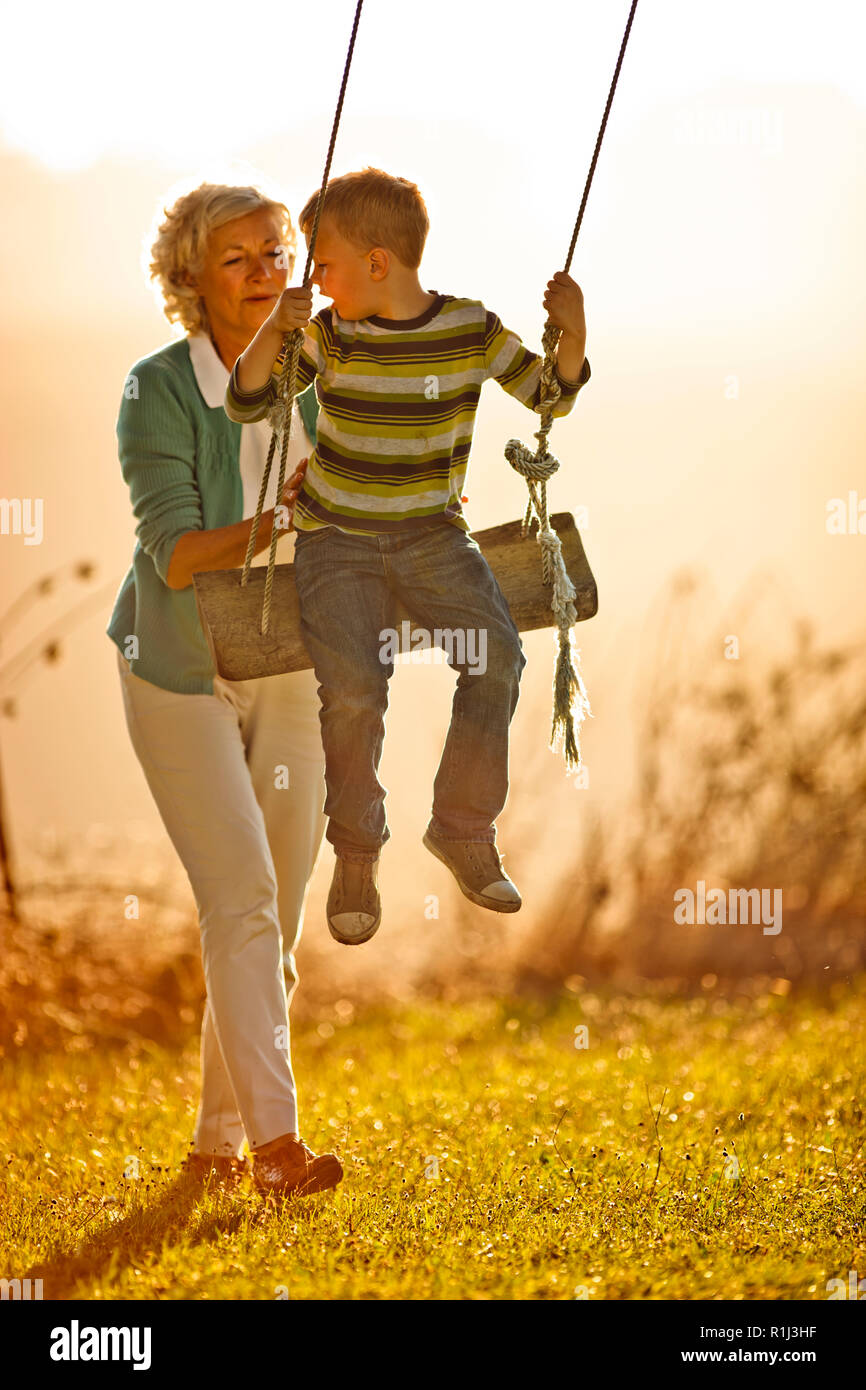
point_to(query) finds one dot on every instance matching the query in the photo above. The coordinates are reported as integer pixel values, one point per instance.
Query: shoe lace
(488, 856)
(358, 881)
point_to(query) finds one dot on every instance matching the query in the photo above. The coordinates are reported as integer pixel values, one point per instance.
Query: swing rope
(537, 467)
(280, 415)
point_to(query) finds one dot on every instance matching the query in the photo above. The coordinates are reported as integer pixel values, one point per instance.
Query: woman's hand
(293, 309)
(225, 547)
(291, 488)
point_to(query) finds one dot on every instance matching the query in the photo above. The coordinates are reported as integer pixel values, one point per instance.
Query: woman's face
(244, 273)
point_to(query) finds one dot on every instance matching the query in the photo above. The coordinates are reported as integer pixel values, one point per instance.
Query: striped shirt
(397, 404)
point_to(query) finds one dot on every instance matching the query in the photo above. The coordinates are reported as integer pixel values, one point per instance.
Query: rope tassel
(570, 700)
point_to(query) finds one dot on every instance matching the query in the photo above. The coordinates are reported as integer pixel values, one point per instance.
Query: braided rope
(570, 700)
(280, 415)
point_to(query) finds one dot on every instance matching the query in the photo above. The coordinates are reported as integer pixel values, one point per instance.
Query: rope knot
(538, 466)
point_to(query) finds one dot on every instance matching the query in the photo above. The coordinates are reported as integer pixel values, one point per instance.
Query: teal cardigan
(181, 461)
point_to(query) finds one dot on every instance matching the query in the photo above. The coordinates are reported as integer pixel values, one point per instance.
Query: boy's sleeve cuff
(571, 388)
(246, 397)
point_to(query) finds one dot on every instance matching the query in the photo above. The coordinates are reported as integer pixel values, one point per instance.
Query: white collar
(211, 373)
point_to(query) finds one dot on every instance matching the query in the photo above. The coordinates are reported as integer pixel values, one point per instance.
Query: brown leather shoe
(479, 873)
(205, 1167)
(290, 1168)
(354, 908)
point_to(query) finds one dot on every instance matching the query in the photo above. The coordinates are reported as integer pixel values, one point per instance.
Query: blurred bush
(750, 773)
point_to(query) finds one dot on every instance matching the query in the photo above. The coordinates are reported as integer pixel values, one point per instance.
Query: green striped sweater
(397, 404)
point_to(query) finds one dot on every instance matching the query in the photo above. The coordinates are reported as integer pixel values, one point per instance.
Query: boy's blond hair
(180, 244)
(372, 208)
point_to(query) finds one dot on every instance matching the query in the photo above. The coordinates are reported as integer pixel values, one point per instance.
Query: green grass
(563, 1172)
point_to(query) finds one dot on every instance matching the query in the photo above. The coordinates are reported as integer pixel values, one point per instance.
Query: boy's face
(344, 274)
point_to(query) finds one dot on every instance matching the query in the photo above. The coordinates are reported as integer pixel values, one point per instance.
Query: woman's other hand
(291, 488)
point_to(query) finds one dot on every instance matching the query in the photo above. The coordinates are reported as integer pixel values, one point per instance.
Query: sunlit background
(721, 263)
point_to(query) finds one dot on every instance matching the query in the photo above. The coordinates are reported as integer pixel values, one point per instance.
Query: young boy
(398, 372)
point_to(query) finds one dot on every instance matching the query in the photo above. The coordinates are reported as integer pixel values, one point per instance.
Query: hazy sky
(721, 262)
(184, 81)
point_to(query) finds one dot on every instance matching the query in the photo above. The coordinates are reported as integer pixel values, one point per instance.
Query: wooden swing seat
(230, 614)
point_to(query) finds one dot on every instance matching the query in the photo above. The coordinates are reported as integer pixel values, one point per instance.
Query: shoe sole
(326, 1178)
(465, 889)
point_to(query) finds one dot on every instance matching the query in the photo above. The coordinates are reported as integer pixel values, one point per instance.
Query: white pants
(216, 765)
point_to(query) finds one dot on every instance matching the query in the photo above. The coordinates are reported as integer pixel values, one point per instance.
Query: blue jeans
(347, 587)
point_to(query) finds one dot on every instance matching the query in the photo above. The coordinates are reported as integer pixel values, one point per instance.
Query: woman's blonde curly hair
(179, 249)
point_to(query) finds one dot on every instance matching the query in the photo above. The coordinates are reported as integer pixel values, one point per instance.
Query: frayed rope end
(570, 705)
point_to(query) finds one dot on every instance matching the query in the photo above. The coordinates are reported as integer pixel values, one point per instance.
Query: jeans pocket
(316, 533)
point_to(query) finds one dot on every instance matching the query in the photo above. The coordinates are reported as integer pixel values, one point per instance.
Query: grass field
(694, 1149)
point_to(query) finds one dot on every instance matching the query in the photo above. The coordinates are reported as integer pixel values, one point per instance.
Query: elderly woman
(236, 768)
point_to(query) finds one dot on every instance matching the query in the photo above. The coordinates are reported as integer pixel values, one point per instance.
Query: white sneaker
(354, 906)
